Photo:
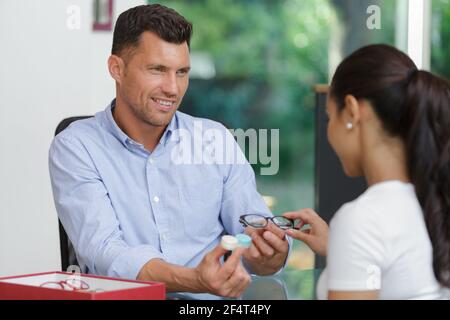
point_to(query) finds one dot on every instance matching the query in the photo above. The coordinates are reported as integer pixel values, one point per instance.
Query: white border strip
(418, 48)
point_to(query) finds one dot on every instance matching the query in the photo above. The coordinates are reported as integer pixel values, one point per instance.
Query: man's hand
(227, 280)
(268, 251)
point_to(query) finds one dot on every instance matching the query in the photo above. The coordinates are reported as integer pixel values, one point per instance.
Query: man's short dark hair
(165, 22)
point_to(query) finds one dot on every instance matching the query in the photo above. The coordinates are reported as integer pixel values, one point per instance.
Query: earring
(349, 126)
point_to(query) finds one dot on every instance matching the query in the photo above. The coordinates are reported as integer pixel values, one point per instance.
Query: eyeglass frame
(245, 224)
(84, 286)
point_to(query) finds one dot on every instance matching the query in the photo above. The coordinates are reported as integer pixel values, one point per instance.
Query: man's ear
(116, 67)
(352, 109)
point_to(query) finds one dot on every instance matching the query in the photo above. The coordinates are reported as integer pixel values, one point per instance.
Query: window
(254, 63)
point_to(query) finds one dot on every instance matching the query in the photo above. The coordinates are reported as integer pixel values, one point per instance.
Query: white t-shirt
(380, 242)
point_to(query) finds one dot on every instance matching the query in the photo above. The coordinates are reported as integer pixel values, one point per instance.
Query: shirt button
(151, 161)
(156, 199)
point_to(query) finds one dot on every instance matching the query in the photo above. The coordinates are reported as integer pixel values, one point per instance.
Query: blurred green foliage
(268, 54)
(273, 52)
(440, 38)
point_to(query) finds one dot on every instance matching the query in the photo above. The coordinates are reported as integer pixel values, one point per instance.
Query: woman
(390, 122)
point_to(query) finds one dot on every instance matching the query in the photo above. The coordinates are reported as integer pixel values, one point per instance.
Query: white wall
(47, 72)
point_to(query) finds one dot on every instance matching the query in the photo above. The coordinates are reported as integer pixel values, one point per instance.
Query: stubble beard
(152, 117)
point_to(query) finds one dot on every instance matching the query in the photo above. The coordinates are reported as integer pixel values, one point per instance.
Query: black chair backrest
(68, 256)
(332, 187)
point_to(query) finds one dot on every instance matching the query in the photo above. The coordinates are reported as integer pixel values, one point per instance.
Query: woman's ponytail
(427, 139)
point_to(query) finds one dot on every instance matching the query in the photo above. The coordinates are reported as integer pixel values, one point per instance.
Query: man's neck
(136, 129)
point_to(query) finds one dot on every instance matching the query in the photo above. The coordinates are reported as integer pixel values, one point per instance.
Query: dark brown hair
(415, 106)
(164, 22)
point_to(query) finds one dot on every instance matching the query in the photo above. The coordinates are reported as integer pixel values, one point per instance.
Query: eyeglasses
(69, 284)
(259, 221)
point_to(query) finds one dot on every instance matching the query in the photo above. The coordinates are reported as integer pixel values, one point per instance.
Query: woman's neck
(385, 160)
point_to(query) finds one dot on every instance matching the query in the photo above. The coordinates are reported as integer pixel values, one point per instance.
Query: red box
(27, 287)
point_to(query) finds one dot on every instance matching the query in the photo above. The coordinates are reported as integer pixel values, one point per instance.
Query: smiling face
(154, 80)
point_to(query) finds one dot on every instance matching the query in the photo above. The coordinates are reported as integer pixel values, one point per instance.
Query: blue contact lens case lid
(244, 240)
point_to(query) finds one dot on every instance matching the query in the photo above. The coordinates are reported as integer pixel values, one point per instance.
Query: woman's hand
(316, 237)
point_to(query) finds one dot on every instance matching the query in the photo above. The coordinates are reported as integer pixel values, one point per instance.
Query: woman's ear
(116, 67)
(352, 110)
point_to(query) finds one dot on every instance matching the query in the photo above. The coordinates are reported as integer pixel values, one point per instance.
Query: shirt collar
(125, 139)
(171, 128)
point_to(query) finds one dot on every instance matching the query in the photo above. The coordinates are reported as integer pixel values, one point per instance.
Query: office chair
(68, 256)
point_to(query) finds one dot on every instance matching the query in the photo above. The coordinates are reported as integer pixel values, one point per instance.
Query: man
(129, 209)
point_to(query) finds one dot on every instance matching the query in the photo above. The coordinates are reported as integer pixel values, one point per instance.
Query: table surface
(288, 285)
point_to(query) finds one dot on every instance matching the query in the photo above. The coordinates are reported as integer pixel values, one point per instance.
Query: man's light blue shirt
(122, 205)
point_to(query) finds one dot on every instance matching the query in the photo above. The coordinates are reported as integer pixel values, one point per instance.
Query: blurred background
(256, 61)
(254, 65)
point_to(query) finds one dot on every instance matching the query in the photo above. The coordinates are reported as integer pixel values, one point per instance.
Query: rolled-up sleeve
(86, 212)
